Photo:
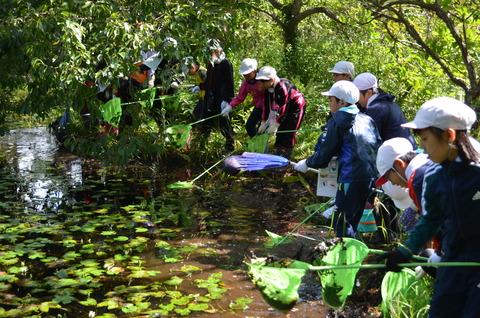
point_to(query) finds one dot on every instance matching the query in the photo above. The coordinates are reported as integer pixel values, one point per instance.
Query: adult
(283, 110)
(343, 71)
(353, 138)
(252, 86)
(451, 197)
(218, 88)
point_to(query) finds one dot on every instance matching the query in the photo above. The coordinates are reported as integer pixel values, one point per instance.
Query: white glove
(420, 272)
(263, 126)
(223, 105)
(272, 126)
(329, 212)
(174, 85)
(434, 258)
(226, 110)
(195, 89)
(301, 166)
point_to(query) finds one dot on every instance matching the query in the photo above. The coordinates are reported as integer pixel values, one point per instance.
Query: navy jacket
(388, 117)
(451, 196)
(353, 137)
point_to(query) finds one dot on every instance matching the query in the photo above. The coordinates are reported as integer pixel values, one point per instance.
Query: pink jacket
(248, 88)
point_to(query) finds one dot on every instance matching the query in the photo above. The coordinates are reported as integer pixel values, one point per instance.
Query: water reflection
(230, 222)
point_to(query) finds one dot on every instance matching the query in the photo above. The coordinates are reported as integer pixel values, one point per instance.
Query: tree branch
(305, 14)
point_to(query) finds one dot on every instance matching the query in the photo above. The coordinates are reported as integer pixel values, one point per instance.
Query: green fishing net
(337, 284)
(112, 111)
(170, 102)
(400, 289)
(257, 143)
(278, 281)
(178, 135)
(147, 96)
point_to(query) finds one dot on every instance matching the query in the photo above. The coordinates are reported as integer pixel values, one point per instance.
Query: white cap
(213, 44)
(248, 66)
(399, 195)
(390, 150)
(365, 81)
(152, 61)
(266, 73)
(168, 40)
(443, 113)
(345, 90)
(344, 67)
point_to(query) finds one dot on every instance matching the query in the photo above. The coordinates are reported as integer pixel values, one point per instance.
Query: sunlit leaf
(121, 238)
(198, 307)
(174, 281)
(240, 303)
(88, 302)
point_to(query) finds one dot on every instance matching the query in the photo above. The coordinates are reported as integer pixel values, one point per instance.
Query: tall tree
(288, 15)
(443, 31)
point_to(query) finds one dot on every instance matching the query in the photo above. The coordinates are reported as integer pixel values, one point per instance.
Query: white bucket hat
(344, 67)
(248, 66)
(345, 90)
(390, 150)
(443, 113)
(266, 73)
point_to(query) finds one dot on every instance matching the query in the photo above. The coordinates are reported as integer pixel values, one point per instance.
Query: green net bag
(337, 284)
(278, 282)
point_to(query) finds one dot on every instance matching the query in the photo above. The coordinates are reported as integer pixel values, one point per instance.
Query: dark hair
(408, 157)
(466, 151)
(375, 90)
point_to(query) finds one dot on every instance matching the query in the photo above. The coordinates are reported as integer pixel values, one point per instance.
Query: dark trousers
(456, 293)
(350, 201)
(223, 123)
(292, 121)
(252, 122)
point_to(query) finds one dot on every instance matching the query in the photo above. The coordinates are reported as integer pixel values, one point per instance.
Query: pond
(79, 241)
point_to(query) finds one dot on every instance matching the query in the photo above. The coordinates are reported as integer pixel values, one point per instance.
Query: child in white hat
(250, 85)
(451, 202)
(354, 139)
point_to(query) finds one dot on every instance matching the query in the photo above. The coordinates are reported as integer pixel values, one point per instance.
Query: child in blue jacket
(451, 200)
(354, 139)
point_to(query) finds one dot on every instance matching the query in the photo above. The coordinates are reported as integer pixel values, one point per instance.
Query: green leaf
(121, 238)
(88, 302)
(174, 281)
(198, 307)
(240, 303)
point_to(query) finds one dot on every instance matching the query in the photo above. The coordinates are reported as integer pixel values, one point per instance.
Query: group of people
(369, 134)
(279, 106)
(442, 180)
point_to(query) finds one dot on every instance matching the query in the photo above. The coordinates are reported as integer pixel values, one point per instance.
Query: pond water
(78, 241)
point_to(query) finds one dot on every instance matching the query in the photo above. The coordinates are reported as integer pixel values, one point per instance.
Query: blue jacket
(353, 137)
(388, 117)
(451, 196)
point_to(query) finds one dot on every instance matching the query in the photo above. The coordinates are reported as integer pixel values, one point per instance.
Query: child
(353, 137)
(451, 199)
(283, 110)
(250, 85)
(399, 165)
(193, 68)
